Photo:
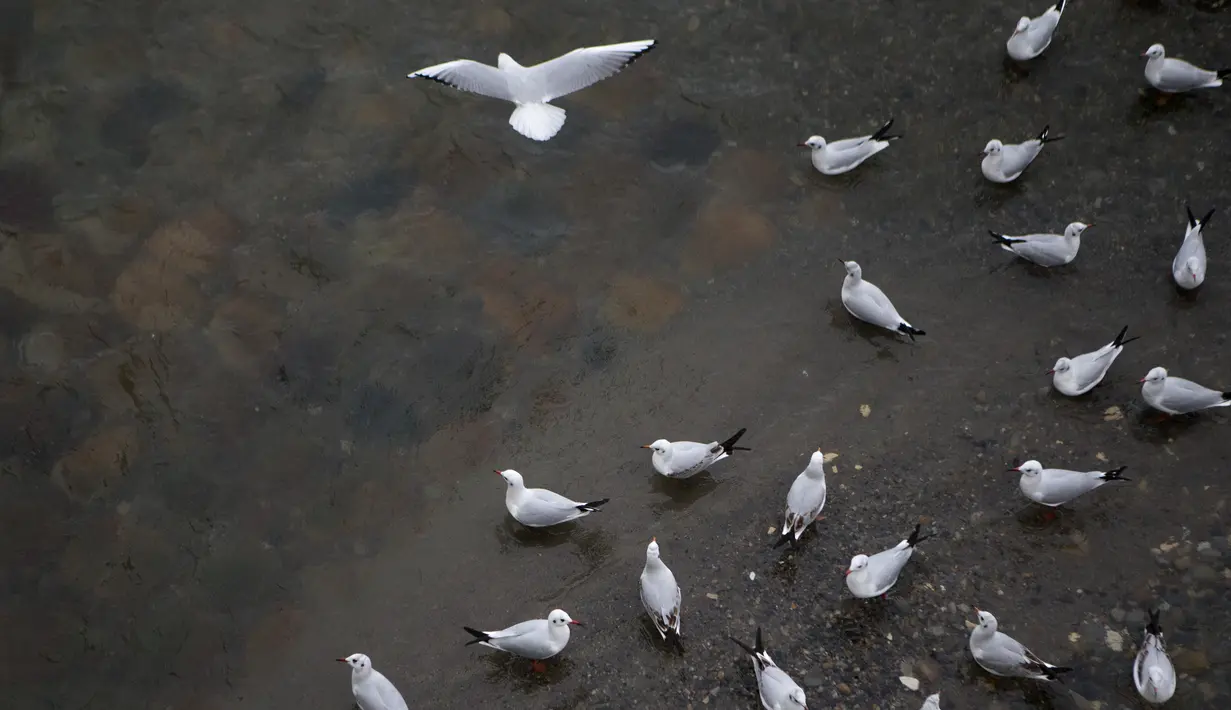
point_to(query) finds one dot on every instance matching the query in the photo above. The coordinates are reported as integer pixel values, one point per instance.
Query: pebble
(912, 683)
(1183, 563)
(1114, 640)
(1117, 615)
(844, 688)
(929, 669)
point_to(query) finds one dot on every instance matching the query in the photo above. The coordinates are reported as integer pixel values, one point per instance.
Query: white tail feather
(537, 121)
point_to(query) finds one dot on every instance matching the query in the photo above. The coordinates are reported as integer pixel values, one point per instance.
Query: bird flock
(531, 90)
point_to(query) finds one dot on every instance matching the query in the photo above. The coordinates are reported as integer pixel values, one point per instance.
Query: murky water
(271, 314)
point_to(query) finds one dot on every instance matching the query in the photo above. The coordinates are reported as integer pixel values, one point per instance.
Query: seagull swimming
(1175, 76)
(372, 690)
(537, 639)
(778, 691)
(539, 507)
(1153, 673)
(931, 702)
(1031, 37)
(1176, 395)
(1045, 249)
(845, 155)
(533, 88)
(805, 500)
(1188, 266)
(660, 595)
(1002, 655)
(868, 303)
(1078, 375)
(874, 576)
(685, 459)
(1004, 162)
(1056, 486)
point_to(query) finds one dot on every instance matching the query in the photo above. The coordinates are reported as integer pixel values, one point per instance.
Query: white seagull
(685, 459)
(1002, 655)
(845, 155)
(539, 507)
(805, 500)
(1004, 162)
(778, 691)
(1031, 37)
(537, 639)
(1078, 375)
(1175, 76)
(931, 702)
(874, 576)
(660, 595)
(868, 303)
(1153, 673)
(1188, 266)
(372, 690)
(533, 88)
(1056, 486)
(1045, 249)
(1176, 395)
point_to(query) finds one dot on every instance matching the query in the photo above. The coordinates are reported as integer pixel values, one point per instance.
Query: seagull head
(1062, 365)
(558, 617)
(852, 268)
(858, 562)
(817, 462)
(1030, 468)
(815, 143)
(513, 478)
(358, 662)
(1076, 229)
(1158, 374)
(992, 148)
(660, 447)
(1022, 25)
(797, 697)
(1154, 52)
(986, 620)
(651, 550)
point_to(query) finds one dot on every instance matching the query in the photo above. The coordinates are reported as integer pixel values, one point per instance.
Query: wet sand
(272, 313)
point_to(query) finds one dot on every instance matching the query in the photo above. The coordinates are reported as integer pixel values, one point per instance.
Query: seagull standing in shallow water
(1005, 162)
(533, 88)
(1176, 395)
(1045, 249)
(1002, 655)
(1153, 673)
(874, 576)
(1031, 37)
(372, 690)
(537, 639)
(539, 507)
(843, 156)
(777, 689)
(865, 301)
(1176, 76)
(1078, 375)
(1188, 266)
(685, 459)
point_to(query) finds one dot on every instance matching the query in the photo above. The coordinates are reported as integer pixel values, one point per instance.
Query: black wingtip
(882, 134)
(479, 636)
(1154, 627)
(1055, 671)
(1045, 138)
(1192, 221)
(1114, 474)
(1206, 219)
(1226, 395)
(760, 647)
(1120, 341)
(1223, 73)
(593, 506)
(783, 539)
(729, 445)
(1060, 7)
(1003, 239)
(747, 649)
(910, 331)
(642, 53)
(915, 538)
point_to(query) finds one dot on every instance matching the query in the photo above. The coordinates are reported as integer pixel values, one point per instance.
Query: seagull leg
(538, 666)
(819, 518)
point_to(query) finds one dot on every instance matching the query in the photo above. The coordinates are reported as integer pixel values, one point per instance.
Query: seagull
(1045, 249)
(659, 593)
(1153, 673)
(1188, 267)
(539, 507)
(685, 459)
(372, 690)
(931, 702)
(1005, 162)
(1054, 487)
(845, 155)
(1176, 395)
(805, 500)
(537, 639)
(778, 691)
(1078, 375)
(874, 576)
(1031, 37)
(1175, 76)
(532, 89)
(1002, 655)
(870, 304)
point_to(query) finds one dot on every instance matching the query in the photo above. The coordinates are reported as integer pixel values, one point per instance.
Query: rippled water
(271, 314)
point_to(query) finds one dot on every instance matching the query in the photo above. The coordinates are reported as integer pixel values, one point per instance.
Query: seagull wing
(585, 66)
(467, 75)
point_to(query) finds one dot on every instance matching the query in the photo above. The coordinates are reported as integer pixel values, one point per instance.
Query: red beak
(847, 574)
(341, 660)
(576, 623)
(498, 471)
(1141, 380)
(1018, 469)
(802, 145)
(1051, 372)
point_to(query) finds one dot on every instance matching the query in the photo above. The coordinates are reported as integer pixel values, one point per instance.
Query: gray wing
(1194, 245)
(1186, 396)
(1015, 157)
(469, 76)
(1177, 74)
(368, 697)
(884, 567)
(389, 694)
(806, 497)
(543, 507)
(529, 639)
(1059, 485)
(1089, 368)
(850, 145)
(661, 597)
(776, 686)
(1045, 249)
(869, 303)
(688, 455)
(1004, 655)
(585, 66)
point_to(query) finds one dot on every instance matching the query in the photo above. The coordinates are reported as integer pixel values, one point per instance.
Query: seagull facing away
(805, 500)
(868, 303)
(685, 459)
(539, 507)
(1175, 76)
(1176, 395)
(660, 595)
(1078, 375)
(874, 576)
(1031, 37)
(537, 639)
(1188, 266)
(1005, 162)
(931, 702)
(843, 156)
(1002, 655)
(1153, 673)
(532, 89)
(1054, 487)
(778, 691)
(1045, 249)
(372, 690)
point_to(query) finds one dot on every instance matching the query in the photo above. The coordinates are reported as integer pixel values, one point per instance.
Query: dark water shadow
(510, 532)
(1152, 105)
(517, 673)
(1033, 693)
(1182, 298)
(1155, 427)
(681, 493)
(855, 329)
(670, 647)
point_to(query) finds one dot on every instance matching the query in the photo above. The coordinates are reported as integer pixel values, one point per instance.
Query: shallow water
(271, 314)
